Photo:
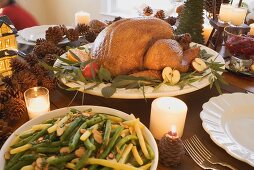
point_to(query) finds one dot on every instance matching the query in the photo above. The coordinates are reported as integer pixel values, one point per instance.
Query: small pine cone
(184, 40)
(160, 14)
(40, 41)
(82, 29)
(10, 83)
(59, 51)
(49, 82)
(15, 108)
(18, 65)
(54, 34)
(116, 19)
(50, 59)
(5, 131)
(90, 36)
(25, 79)
(38, 70)
(4, 96)
(64, 29)
(72, 34)
(31, 59)
(171, 20)
(97, 26)
(171, 150)
(147, 11)
(44, 48)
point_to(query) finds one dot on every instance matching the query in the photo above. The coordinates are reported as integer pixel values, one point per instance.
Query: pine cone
(40, 41)
(45, 48)
(147, 11)
(18, 65)
(10, 83)
(184, 40)
(82, 29)
(15, 93)
(4, 96)
(72, 34)
(31, 59)
(64, 29)
(97, 26)
(171, 151)
(116, 19)
(90, 36)
(54, 34)
(50, 59)
(49, 83)
(15, 108)
(171, 20)
(25, 79)
(39, 71)
(5, 131)
(160, 14)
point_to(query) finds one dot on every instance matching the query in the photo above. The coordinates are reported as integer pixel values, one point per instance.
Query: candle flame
(173, 129)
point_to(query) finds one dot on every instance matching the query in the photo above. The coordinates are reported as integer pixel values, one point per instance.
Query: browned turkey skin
(139, 45)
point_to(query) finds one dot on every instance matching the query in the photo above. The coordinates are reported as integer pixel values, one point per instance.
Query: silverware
(203, 163)
(205, 153)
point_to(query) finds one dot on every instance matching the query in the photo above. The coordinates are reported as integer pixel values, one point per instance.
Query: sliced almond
(97, 136)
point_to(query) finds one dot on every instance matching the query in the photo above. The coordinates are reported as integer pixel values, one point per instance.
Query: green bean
(109, 146)
(52, 137)
(38, 135)
(60, 159)
(28, 157)
(22, 142)
(50, 121)
(72, 126)
(150, 151)
(107, 133)
(89, 145)
(18, 165)
(82, 161)
(13, 160)
(126, 139)
(119, 155)
(47, 149)
(26, 135)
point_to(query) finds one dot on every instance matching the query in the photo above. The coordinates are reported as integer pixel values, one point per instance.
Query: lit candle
(37, 101)
(82, 18)
(238, 16)
(206, 32)
(225, 12)
(165, 113)
(251, 29)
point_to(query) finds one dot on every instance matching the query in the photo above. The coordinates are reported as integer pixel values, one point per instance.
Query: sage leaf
(108, 91)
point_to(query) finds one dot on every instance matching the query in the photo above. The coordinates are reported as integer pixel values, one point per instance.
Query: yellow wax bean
(137, 156)
(114, 118)
(141, 141)
(131, 122)
(20, 149)
(28, 167)
(40, 127)
(147, 166)
(85, 135)
(126, 153)
(70, 165)
(54, 127)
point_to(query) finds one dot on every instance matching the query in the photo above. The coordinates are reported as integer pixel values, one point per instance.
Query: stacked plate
(30, 35)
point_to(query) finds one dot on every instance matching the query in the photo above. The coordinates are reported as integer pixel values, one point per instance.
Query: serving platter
(149, 92)
(229, 120)
(61, 112)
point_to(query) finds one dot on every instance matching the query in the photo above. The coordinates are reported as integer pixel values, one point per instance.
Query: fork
(205, 153)
(203, 163)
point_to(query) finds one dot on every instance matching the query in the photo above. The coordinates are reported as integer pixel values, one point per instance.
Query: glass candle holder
(167, 112)
(37, 101)
(238, 16)
(225, 12)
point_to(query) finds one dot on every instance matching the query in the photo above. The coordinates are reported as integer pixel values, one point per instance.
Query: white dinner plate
(61, 112)
(31, 34)
(162, 91)
(229, 120)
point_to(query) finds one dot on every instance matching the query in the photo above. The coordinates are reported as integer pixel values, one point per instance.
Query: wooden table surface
(141, 108)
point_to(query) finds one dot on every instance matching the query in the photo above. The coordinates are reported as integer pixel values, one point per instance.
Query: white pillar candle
(167, 112)
(82, 18)
(251, 29)
(37, 101)
(225, 12)
(238, 16)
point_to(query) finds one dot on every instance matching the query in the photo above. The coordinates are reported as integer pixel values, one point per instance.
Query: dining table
(141, 108)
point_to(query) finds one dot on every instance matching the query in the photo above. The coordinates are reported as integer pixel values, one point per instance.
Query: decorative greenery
(191, 21)
(70, 71)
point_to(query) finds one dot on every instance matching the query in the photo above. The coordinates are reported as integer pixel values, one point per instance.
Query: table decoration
(82, 17)
(37, 101)
(5, 131)
(171, 149)
(112, 117)
(209, 6)
(228, 119)
(225, 12)
(239, 17)
(166, 113)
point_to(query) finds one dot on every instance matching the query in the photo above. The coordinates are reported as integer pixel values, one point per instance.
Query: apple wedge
(170, 75)
(198, 65)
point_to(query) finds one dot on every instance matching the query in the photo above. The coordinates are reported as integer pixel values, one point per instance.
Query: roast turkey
(135, 46)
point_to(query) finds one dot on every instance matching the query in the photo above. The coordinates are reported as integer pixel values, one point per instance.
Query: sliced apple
(171, 76)
(199, 65)
(252, 67)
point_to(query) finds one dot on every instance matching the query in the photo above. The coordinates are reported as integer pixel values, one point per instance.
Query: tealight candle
(37, 101)
(206, 32)
(82, 18)
(225, 12)
(239, 16)
(165, 113)
(251, 29)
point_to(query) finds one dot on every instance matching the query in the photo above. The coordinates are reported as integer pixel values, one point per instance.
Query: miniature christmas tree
(191, 21)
